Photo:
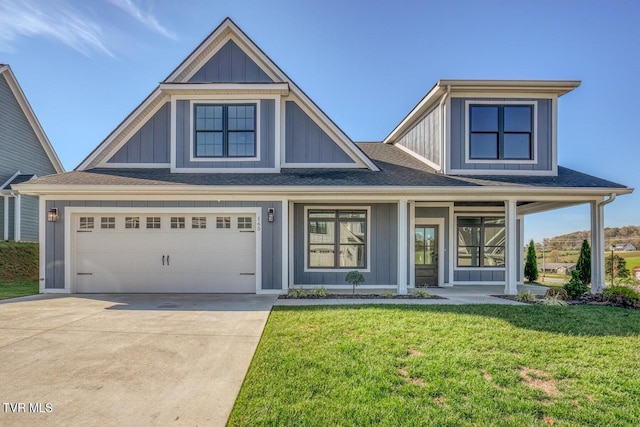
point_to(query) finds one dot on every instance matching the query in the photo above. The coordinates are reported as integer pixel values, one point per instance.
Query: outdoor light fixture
(271, 213)
(52, 215)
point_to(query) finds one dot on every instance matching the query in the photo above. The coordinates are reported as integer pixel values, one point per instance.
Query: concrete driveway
(126, 359)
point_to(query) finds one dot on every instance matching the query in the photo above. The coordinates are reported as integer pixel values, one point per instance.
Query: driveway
(126, 359)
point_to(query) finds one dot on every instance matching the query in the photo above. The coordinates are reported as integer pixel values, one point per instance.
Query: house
(558, 267)
(26, 154)
(229, 178)
(623, 247)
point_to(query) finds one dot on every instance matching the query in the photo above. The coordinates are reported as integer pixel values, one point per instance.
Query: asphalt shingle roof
(397, 168)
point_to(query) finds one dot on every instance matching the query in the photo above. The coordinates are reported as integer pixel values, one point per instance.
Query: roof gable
(23, 104)
(230, 64)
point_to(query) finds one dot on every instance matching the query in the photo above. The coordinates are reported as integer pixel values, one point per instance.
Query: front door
(426, 255)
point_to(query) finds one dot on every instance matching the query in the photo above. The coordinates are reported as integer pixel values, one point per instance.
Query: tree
(554, 255)
(531, 265)
(619, 266)
(583, 267)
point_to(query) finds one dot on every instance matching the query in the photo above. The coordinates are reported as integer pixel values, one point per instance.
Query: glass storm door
(426, 255)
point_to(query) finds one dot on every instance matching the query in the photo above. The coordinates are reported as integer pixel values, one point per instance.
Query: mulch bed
(587, 299)
(361, 296)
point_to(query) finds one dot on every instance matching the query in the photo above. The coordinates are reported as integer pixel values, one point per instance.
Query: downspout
(612, 197)
(599, 267)
(442, 129)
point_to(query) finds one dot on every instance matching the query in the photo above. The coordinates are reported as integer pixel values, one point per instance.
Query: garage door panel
(195, 260)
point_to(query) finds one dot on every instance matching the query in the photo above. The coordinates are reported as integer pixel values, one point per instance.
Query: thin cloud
(57, 20)
(147, 20)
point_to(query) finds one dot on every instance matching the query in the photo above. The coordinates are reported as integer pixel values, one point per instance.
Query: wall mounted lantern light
(52, 215)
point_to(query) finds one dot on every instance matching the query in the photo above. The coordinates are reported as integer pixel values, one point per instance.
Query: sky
(85, 65)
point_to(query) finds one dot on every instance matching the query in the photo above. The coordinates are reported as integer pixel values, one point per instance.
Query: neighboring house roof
(556, 265)
(181, 75)
(398, 169)
(5, 70)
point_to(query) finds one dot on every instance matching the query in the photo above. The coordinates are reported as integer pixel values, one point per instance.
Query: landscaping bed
(360, 296)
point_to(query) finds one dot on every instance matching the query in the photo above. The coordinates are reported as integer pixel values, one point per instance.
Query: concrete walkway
(109, 360)
(457, 295)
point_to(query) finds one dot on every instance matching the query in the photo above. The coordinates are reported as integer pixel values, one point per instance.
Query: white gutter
(443, 146)
(612, 197)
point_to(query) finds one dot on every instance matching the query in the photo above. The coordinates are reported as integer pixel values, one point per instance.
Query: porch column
(403, 232)
(5, 228)
(16, 219)
(597, 247)
(284, 223)
(511, 243)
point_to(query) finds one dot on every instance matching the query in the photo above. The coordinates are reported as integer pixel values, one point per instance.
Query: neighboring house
(624, 247)
(228, 178)
(26, 154)
(558, 267)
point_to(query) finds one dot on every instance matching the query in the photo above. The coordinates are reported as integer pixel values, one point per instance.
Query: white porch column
(284, 223)
(16, 219)
(521, 244)
(597, 247)
(5, 227)
(403, 232)
(511, 243)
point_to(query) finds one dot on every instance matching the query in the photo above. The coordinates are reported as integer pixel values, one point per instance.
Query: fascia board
(225, 88)
(416, 112)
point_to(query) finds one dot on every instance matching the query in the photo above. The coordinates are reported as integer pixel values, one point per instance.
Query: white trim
(412, 244)
(306, 238)
(521, 247)
(403, 252)
(290, 225)
(511, 246)
(501, 172)
(439, 223)
(3, 186)
(277, 137)
(216, 101)
(224, 170)
(135, 165)
(69, 240)
(419, 157)
(319, 165)
(454, 241)
(283, 134)
(5, 228)
(554, 135)
(284, 224)
(227, 88)
(17, 218)
(31, 117)
(42, 243)
(433, 204)
(173, 134)
(534, 131)
(462, 209)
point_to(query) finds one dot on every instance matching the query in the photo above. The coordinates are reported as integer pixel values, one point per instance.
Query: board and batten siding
(150, 144)
(423, 215)
(383, 247)
(230, 65)
(271, 235)
(543, 131)
(306, 142)
(424, 137)
(266, 127)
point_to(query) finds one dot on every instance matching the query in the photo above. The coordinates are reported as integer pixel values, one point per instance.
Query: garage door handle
(167, 259)
(162, 259)
(85, 274)
(247, 274)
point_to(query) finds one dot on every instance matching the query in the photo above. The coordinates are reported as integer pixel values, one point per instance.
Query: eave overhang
(281, 89)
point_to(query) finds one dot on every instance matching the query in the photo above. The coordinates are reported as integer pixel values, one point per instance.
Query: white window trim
(467, 129)
(192, 156)
(306, 239)
(479, 214)
(426, 222)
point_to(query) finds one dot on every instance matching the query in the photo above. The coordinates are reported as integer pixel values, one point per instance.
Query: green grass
(444, 365)
(17, 288)
(18, 260)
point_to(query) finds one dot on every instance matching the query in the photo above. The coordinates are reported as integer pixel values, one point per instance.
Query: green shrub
(622, 295)
(553, 301)
(526, 296)
(354, 278)
(575, 288)
(557, 293)
(319, 292)
(297, 293)
(388, 294)
(420, 293)
(531, 266)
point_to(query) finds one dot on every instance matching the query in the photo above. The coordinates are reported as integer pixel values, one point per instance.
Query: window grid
(199, 222)
(245, 223)
(225, 130)
(337, 239)
(153, 222)
(500, 132)
(177, 222)
(223, 222)
(86, 223)
(108, 222)
(132, 222)
(481, 242)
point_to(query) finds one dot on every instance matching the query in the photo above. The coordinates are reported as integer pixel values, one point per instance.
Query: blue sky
(84, 65)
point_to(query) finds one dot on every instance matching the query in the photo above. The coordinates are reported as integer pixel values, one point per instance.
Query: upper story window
(225, 130)
(500, 132)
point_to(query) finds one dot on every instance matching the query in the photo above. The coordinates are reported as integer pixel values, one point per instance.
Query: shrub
(420, 293)
(526, 296)
(388, 294)
(531, 266)
(355, 278)
(553, 301)
(297, 293)
(319, 292)
(557, 293)
(575, 288)
(584, 263)
(622, 295)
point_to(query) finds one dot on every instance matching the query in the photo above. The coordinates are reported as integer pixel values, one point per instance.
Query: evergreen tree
(531, 265)
(583, 267)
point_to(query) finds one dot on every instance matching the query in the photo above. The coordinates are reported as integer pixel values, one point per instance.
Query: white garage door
(150, 252)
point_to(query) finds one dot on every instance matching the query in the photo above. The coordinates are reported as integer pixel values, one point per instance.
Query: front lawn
(444, 365)
(18, 288)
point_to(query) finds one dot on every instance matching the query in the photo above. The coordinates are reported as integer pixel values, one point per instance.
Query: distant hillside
(617, 235)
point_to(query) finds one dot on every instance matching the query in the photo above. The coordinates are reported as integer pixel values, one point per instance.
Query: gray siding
(12, 201)
(306, 142)
(478, 276)
(1, 217)
(543, 129)
(150, 144)
(267, 139)
(383, 248)
(230, 65)
(21, 150)
(29, 218)
(424, 137)
(428, 212)
(271, 236)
